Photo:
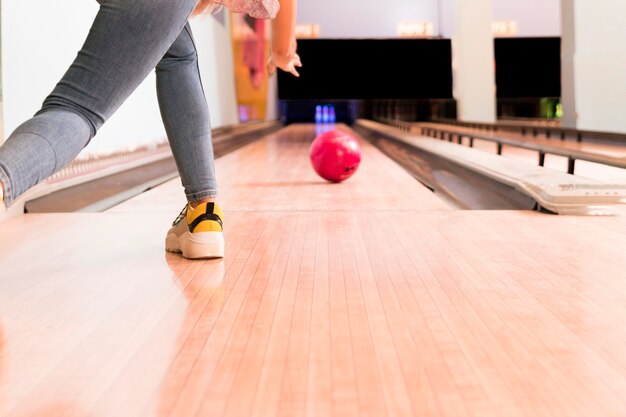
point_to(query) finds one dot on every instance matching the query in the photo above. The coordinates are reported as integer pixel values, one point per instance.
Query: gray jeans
(128, 39)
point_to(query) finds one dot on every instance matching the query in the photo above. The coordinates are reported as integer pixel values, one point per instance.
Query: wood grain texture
(275, 174)
(330, 302)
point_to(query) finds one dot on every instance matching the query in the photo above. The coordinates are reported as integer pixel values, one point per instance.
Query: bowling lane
(275, 174)
(374, 305)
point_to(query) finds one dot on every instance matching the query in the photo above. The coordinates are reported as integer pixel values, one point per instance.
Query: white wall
(1, 110)
(376, 18)
(364, 18)
(215, 53)
(472, 51)
(40, 39)
(533, 17)
(594, 64)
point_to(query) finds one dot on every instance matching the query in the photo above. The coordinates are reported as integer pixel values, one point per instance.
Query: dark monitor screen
(336, 69)
(528, 67)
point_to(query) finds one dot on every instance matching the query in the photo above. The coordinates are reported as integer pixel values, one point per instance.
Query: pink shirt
(260, 9)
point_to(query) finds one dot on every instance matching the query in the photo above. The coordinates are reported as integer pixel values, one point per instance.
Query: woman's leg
(185, 114)
(198, 231)
(127, 40)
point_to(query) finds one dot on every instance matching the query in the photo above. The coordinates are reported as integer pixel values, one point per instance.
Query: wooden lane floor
(389, 309)
(275, 174)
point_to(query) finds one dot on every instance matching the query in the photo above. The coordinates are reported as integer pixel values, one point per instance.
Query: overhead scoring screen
(370, 69)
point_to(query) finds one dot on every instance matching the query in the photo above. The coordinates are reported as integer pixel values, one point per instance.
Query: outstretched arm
(284, 46)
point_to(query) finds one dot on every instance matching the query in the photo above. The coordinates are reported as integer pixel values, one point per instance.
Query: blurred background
(422, 60)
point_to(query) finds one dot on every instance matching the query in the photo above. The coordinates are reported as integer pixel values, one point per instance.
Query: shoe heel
(202, 245)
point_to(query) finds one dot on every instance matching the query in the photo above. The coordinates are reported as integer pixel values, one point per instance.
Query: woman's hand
(287, 63)
(283, 43)
(201, 7)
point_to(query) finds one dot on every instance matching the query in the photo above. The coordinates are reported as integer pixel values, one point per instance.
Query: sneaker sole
(199, 245)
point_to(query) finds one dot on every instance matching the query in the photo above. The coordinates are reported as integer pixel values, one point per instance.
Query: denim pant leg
(126, 41)
(185, 115)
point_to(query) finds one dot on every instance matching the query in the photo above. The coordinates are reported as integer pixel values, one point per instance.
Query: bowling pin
(325, 114)
(318, 114)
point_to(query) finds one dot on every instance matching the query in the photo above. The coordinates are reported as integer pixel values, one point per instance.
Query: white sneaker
(197, 233)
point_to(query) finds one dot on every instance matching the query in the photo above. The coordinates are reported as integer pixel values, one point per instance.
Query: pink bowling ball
(335, 155)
